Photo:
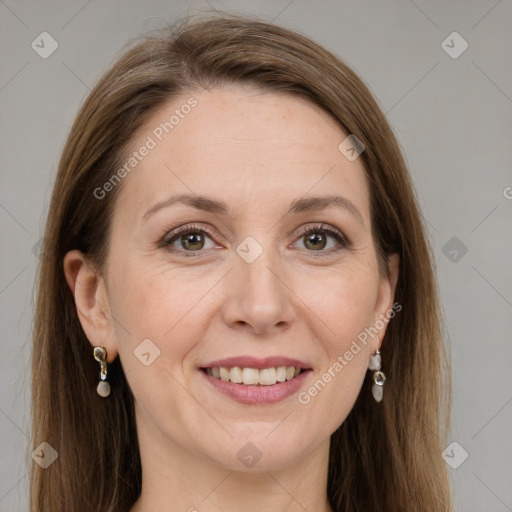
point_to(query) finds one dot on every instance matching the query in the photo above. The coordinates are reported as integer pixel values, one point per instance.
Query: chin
(259, 453)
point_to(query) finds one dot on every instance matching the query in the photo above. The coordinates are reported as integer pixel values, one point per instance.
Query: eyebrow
(300, 205)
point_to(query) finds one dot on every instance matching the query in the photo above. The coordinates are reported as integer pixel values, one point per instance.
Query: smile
(264, 387)
(254, 376)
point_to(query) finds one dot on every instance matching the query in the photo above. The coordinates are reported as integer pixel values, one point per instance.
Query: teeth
(267, 377)
(250, 376)
(253, 376)
(223, 373)
(235, 375)
(282, 373)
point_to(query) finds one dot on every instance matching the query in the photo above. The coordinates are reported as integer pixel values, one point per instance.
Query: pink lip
(254, 362)
(258, 394)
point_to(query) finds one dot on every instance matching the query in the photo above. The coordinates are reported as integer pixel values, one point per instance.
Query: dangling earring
(103, 388)
(378, 377)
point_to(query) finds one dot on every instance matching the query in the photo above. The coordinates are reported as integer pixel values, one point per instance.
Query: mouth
(247, 376)
(257, 382)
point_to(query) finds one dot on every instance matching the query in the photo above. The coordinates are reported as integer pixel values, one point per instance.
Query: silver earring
(103, 388)
(378, 377)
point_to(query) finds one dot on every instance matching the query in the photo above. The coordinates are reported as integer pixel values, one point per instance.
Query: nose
(258, 297)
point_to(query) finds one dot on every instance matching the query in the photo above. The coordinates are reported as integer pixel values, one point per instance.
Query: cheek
(168, 307)
(345, 301)
(159, 316)
(158, 301)
(345, 307)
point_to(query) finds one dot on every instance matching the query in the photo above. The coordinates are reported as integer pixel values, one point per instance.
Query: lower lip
(256, 395)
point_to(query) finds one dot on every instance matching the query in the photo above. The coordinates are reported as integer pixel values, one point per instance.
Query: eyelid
(327, 228)
(342, 240)
(174, 233)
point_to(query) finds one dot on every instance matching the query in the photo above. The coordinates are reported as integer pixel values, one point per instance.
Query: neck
(174, 479)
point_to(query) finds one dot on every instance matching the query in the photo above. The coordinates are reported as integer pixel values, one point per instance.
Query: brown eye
(193, 241)
(315, 241)
(187, 239)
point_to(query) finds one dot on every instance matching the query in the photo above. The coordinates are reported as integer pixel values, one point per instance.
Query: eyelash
(171, 236)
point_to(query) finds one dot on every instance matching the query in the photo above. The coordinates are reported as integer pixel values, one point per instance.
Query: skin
(257, 152)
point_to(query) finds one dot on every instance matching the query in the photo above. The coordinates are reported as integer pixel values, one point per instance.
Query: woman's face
(244, 282)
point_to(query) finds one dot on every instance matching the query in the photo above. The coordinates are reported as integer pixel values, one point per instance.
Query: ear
(384, 306)
(91, 301)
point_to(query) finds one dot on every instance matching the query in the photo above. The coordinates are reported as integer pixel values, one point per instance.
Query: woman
(236, 302)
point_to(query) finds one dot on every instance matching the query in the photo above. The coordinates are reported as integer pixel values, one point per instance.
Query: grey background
(452, 117)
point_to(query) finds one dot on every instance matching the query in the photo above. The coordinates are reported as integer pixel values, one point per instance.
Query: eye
(191, 239)
(316, 238)
(187, 238)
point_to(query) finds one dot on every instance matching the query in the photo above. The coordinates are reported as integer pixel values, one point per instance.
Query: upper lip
(258, 363)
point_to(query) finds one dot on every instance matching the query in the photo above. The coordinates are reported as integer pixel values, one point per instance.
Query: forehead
(244, 146)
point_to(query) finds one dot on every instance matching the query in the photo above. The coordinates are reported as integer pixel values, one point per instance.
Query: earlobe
(91, 301)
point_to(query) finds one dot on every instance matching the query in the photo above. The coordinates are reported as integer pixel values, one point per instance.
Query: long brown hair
(384, 457)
